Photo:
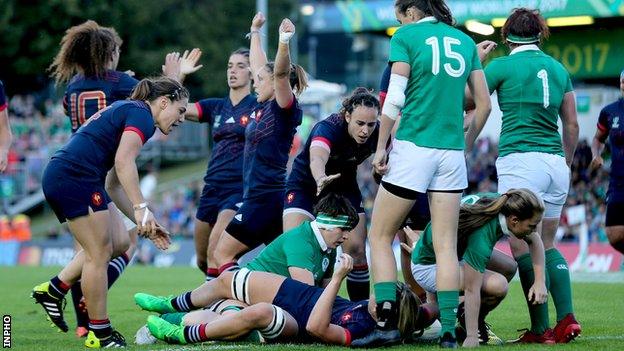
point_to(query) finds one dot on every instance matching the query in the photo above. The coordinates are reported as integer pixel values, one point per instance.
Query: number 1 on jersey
(543, 75)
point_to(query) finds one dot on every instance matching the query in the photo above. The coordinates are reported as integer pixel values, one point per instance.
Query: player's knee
(102, 255)
(259, 315)
(201, 264)
(498, 286)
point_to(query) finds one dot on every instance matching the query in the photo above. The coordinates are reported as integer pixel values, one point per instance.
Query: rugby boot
(52, 306)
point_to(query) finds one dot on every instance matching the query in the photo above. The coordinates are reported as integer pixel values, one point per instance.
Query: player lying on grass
(483, 220)
(283, 309)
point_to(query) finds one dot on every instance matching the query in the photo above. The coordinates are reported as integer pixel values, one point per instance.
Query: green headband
(516, 39)
(326, 221)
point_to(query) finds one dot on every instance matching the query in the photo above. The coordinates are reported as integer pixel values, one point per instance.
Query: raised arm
(570, 125)
(281, 72)
(257, 56)
(319, 324)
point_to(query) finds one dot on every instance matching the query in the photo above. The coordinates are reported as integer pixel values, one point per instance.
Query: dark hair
(335, 205)
(525, 23)
(522, 203)
(435, 8)
(152, 88)
(86, 48)
(359, 97)
(241, 51)
(298, 77)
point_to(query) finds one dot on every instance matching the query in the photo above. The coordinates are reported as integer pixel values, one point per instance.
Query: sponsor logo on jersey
(616, 122)
(217, 121)
(96, 198)
(230, 120)
(239, 217)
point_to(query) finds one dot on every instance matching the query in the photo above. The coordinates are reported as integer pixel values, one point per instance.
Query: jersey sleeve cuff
(136, 130)
(601, 127)
(347, 337)
(3, 107)
(200, 112)
(321, 142)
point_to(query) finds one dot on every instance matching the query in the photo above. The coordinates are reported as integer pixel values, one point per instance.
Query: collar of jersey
(426, 19)
(319, 237)
(521, 48)
(503, 223)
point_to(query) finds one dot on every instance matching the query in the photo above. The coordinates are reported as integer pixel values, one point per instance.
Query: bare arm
(283, 91)
(483, 106)
(598, 144)
(5, 139)
(319, 324)
(302, 275)
(117, 194)
(484, 49)
(257, 56)
(570, 125)
(538, 292)
(192, 114)
(473, 280)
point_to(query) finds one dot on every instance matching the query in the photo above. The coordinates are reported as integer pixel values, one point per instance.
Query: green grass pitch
(599, 308)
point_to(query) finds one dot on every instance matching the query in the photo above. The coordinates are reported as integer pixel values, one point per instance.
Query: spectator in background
(5, 130)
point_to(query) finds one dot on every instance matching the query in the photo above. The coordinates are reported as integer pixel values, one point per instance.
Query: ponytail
(522, 203)
(149, 89)
(297, 78)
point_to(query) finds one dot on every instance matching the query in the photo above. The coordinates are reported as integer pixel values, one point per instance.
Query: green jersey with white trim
(478, 248)
(298, 247)
(441, 59)
(530, 87)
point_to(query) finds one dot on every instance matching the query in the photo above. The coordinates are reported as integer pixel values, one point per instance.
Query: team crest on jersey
(290, 197)
(96, 198)
(325, 263)
(244, 120)
(346, 317)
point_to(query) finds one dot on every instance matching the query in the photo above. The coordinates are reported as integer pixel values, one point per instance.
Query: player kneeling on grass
(283, 309)
(483, 220)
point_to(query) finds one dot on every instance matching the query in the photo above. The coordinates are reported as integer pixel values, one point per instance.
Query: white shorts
(425, 276)
(547, 175)
(421, 168)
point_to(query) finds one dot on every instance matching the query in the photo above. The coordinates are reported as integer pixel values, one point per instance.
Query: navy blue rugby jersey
(87, 95)
(91, 150)
(611, 120)
(225, 167)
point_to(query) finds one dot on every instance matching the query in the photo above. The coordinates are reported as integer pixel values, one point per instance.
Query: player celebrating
(533, 91)
(110, 139)
(268, 138)
(610, 125)
(427, 154)
(328, 163)
(223, 188)
(5, 129)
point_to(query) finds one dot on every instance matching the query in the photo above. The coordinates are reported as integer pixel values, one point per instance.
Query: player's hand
(538, 294)
(484, 48)
(161, 238)
(258, 21)
(145, 221)
(379, 162)
(323, 181)
(411, 238)
(471, 341)
(188, 61)
(596, 163)
(286, 31)
(343, 267)
(171, 68)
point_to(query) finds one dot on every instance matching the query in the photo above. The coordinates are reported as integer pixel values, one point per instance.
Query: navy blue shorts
(69, 194)
(298, 299)
(615, 207)
(214, 200)
(300, 199)
(419, 216)
(258, 221)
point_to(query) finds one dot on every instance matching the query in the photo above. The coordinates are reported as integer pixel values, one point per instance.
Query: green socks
(448, 302)
(538, 313)
(559, 277)
(387, 313)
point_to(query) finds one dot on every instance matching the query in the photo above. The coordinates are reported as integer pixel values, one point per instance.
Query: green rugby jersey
(530, 87)
(298, 247)
(441, 59)
(478, 248)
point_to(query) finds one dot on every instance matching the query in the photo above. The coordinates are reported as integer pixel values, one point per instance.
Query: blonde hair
(409, 308)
